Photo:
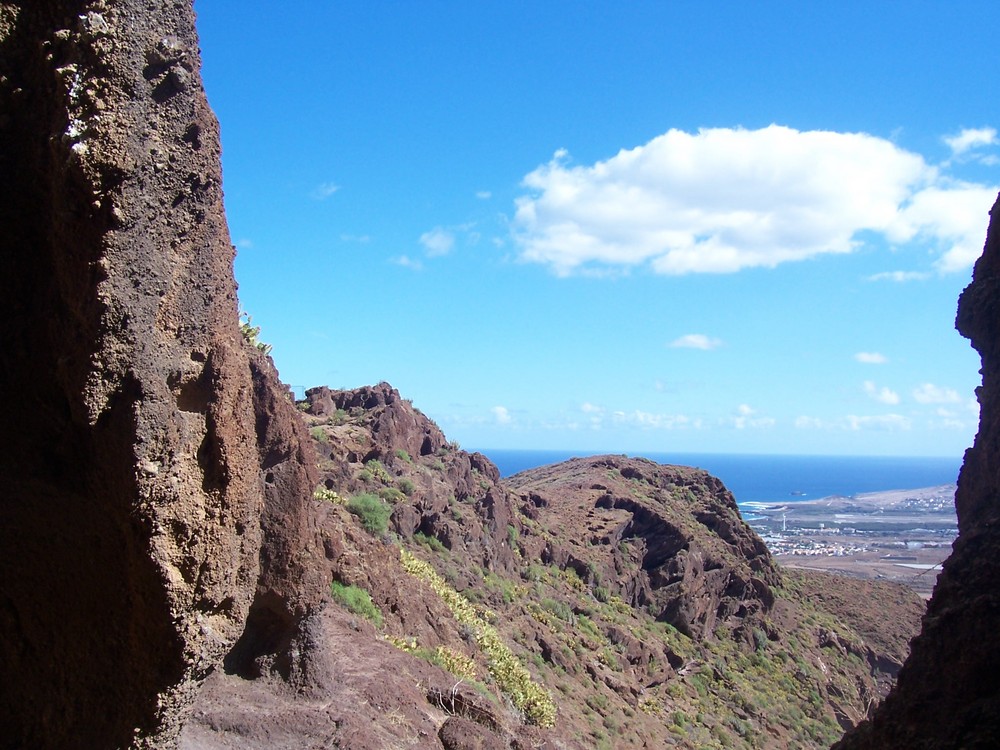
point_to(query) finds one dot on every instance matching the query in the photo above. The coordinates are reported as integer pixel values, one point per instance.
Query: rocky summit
(189, 558)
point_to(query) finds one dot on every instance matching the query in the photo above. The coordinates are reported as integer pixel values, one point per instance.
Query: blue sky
(629, 227)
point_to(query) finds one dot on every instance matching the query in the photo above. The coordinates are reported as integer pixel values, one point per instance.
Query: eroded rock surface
(136, 508)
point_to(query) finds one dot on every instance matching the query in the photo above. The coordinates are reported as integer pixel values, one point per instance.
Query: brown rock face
(668, 539)
(948, 693)
(132, 523)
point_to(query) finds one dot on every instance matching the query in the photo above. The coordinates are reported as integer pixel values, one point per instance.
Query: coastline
(896, 535)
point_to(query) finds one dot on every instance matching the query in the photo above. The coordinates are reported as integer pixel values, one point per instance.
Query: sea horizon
(755, 478)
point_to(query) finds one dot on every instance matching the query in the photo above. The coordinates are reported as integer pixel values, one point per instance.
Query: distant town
(897, 535)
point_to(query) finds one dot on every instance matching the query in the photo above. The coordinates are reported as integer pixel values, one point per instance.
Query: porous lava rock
(136, 512)
(948, 691)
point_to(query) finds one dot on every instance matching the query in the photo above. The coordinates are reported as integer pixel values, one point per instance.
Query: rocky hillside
(603, 602)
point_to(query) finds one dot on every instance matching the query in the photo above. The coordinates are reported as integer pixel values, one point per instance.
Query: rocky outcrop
(948, 693)
(138, 420)
(374, 441)
(666, 539)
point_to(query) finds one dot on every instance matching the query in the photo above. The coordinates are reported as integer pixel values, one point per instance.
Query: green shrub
(406, 486)
(429, 541)
(372, 510)
(391, 495)
(378, 471)
(356, 600)
(318, 433)
(403, 455)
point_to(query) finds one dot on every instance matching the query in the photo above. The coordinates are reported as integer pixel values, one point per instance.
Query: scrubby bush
(372, 510)
(429, 541)
(406, 486)
(391, 495)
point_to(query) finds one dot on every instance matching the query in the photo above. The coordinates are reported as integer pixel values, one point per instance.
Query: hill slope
(602, 602)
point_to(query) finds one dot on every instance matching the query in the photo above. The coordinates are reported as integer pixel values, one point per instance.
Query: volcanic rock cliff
(948, 694)
(148, 450)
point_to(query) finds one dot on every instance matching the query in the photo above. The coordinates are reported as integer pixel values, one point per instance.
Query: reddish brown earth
(166, 570)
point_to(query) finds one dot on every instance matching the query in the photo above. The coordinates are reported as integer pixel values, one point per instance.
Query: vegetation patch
(429, 541)
(511, 676)
(322, 493)
(460, 665)
(356, 600)
(372, 511)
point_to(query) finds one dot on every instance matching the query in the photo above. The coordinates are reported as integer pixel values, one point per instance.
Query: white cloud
(855, 423)
(484, 195)
(882, 395)
(695, 341)
(501, 414)
(746, 417)
(438, 241)
(871, 358)
(953, 218)
(363, 239)
(899, 276)
(971, 138)
(407, 262)
(588, 408)
(324, 190)
(928, 393)
(889, 422)
(648, 420)
(724, 199)
(244, 244)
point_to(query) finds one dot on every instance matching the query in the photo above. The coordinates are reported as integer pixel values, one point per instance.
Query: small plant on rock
(372, 511)
(356, 600)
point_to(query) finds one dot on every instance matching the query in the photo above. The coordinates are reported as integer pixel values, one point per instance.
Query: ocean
(763, 478)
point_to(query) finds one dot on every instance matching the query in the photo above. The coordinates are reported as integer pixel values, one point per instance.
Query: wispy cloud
(652, 421)
(928, 393)
(244, 243)
(407, 262)
(501, 415)
(484, 195)
(971, 138)
(438, 241)
(889, 422)
(724, 199)
(856, 423)
(871, 358)
(695, 341)
(324, 190)
(899, 276)
(883, 395)
(747, 418)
